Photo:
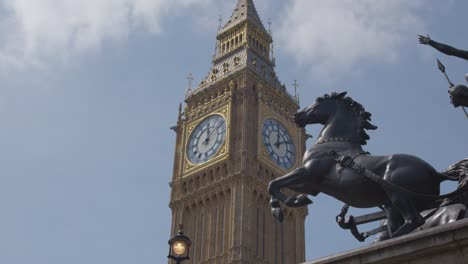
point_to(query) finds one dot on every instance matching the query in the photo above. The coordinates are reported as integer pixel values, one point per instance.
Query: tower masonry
(234, 135)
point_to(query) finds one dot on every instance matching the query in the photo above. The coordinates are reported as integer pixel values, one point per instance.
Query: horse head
(319, 112)
(347, 117)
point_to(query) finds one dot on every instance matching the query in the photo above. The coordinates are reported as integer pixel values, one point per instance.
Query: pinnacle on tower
(242, 44)
(244, 29)
(244, 11)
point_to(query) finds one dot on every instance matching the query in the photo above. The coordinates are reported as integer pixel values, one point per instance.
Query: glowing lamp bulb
(179, 248)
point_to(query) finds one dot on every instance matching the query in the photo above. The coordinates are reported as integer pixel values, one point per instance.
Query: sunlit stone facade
(220, 178)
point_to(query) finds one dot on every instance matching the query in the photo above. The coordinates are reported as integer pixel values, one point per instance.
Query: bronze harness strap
(348, 162)
(351, 222)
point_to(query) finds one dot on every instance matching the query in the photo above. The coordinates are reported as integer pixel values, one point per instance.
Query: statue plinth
(443, 244)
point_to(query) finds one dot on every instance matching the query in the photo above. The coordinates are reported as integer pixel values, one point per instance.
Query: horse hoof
(408, 227)
(274, 203)
(277, 214)
(381, 237)
(298, 201)
(290, 202)
(303, 200)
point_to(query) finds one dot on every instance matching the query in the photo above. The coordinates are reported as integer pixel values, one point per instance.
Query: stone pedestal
(446, 244)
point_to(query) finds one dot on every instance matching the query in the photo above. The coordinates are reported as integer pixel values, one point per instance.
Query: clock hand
(208, 130)
(209, 135)
(277, 144)
(286, 141)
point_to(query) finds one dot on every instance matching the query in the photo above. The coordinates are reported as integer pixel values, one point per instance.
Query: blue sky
(89, 90)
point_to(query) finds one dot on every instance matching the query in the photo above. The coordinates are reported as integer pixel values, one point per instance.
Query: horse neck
(343, 124)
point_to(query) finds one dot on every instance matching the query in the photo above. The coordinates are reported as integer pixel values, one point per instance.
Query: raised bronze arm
(446, 49)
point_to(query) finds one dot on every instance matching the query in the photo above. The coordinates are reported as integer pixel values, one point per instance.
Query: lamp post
(179, 246)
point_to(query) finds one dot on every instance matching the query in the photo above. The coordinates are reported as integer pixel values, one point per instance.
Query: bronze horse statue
(399, 176)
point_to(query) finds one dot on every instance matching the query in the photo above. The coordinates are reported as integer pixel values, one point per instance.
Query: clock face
(206, 139)
(278, 143)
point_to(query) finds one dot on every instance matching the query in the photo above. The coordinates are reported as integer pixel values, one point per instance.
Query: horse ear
(342, 95)
(366, 115)
(368, 125)
(366, 137)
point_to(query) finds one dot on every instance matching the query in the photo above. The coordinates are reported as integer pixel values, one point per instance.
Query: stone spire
(244, 11)
(242, 43)
(244, 29)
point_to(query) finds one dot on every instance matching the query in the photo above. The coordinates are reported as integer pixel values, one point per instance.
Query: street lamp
(179, 246)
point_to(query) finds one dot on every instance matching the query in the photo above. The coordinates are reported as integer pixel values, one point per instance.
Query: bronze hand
(424, 40)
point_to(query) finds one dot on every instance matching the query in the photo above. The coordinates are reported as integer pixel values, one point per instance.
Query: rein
(337, 139)
(348, 162)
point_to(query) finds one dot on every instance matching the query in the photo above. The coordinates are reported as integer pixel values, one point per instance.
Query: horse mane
(355, 107)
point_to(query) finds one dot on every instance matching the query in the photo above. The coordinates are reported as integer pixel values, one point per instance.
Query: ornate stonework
(223, 203)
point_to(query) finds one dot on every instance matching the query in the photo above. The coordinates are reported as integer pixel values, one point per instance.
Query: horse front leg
(293, 178)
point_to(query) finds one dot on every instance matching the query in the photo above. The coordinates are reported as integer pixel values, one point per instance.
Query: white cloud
(34, 33)
(31, 31)
(335, 35)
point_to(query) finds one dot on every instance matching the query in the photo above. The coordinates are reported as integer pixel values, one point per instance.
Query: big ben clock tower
(234, 136)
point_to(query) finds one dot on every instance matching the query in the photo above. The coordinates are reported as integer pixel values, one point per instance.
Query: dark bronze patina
(403, 186)
(446, 49)
(459, 93)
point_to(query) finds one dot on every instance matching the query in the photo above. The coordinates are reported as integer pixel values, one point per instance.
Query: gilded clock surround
(273, 152)
(203, 132)
(274, 105)
(223, 151)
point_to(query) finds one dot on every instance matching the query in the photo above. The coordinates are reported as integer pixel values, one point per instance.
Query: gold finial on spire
(217, 42)
(295, 84)
(220, 21)
(190, 79)
(272, 45)
(180, 111)
(269, 25)
(296, 94)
